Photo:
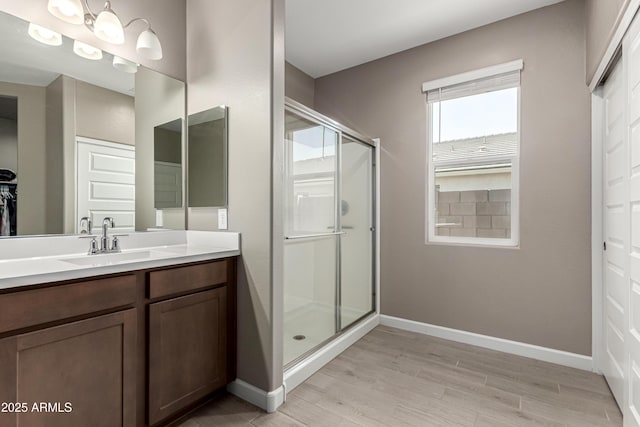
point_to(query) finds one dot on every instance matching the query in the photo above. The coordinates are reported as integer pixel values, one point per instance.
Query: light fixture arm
(88, 9)
(146, 21)
(89, 16)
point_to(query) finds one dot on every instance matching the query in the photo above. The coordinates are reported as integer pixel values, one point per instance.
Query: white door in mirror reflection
(105, 184)
(168, 185)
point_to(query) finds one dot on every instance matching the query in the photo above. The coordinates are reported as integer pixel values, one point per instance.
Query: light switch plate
(222, 219)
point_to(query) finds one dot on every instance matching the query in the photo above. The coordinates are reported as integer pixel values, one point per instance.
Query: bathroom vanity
(137, 338)
(140, 335)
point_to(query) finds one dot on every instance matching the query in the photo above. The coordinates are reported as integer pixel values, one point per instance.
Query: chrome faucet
(105, 247)
(104, 241)
(85, 220)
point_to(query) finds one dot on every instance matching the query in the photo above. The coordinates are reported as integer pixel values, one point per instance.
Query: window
(472, 157)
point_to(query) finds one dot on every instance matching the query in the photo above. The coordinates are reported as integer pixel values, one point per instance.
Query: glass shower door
(329, 245)
(357, 222)
(311, 235)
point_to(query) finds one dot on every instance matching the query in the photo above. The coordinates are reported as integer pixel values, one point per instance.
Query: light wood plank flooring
(397, 378)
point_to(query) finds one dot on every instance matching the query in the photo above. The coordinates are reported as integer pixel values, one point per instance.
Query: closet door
(631, 59)
(616, 233)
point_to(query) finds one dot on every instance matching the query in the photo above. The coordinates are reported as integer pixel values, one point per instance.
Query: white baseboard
(545, 354)
(297, 374)
(267, 401)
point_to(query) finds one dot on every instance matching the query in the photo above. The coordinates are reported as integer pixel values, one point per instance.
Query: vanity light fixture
(148, 44)
(67, 10)
(106, 25)
(86, 51)
(124, 65)
(44, 35)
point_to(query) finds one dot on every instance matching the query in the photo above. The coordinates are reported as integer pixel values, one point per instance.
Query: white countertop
(35, 260)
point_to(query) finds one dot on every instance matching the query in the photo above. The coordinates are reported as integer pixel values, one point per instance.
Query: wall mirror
(81, 135)
(167, 165)
(208, 158)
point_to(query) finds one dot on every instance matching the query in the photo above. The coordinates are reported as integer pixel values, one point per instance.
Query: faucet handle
(93, 244)
(115, 243)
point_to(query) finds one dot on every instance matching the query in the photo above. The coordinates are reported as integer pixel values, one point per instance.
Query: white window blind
(475, 87)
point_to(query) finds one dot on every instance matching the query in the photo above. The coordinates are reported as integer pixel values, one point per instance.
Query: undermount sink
(109, 259)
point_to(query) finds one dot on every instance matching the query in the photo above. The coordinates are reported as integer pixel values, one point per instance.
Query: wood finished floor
(397, 378)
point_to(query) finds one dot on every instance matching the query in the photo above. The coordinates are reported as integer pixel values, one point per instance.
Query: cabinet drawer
(34, 307)
(184, 279)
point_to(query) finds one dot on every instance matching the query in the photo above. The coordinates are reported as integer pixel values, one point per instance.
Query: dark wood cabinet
(163, 283)
(25, 308)
(83, 372)
(133, 349)
(187, 350)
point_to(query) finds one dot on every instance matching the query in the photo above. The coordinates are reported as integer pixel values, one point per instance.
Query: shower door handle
(309, 236)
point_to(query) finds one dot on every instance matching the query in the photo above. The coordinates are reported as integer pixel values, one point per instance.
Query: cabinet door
(187, 350)
(89, 365)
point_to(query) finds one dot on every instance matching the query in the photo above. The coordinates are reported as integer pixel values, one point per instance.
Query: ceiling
(323, 37)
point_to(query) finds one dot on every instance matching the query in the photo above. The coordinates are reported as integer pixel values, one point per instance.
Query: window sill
(473, 242)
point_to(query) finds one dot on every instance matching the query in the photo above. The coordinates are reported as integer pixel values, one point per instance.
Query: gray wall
(104, 114)
(601, 20)
(298, 85)
(230, 61)
(55, 94)
(167, 18)
(31, 156)
(8, 144)
(68, 106)
(540, 293)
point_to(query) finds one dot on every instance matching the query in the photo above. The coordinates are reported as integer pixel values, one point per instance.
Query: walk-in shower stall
(330, 233)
